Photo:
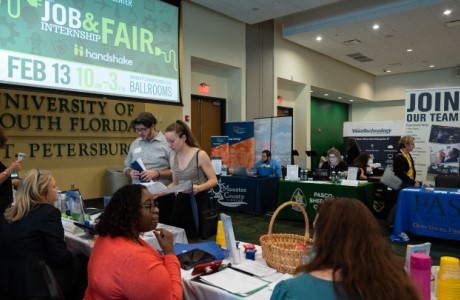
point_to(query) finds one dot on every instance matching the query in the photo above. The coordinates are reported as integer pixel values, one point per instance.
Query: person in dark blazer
(352, 151)
(31, 231)
(404, 168)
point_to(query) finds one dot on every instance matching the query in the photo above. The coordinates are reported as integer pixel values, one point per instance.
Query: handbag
(390, 179)
(208, 215)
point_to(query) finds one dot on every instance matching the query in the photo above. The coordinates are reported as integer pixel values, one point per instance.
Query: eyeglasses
(141, 129)
(332, 156)
(150, 206)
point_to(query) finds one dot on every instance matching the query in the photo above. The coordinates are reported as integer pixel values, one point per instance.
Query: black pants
(166, 206)
(182, 214)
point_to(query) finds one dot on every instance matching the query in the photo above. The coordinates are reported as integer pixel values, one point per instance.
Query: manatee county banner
(432, 118)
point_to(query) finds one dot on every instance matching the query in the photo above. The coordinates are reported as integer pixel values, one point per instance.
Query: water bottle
(333, 177)
(420, 272)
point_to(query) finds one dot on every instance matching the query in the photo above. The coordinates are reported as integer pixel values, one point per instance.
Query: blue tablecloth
(428, 212)
(254, 195)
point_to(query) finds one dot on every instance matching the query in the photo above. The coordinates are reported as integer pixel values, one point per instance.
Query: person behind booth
(152, 148)
(351, 259)
(6, 182)
(352, 151)
(403, 167)
(361, 162)
(267, 162)
(334, 162)
(31, 231)
(124, 266)
(189, 162)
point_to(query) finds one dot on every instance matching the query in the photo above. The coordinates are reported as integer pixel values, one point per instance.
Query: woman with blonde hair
(334, 162)
(31, 232)
(353, 259)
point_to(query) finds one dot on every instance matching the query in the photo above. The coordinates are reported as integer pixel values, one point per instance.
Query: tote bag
(390, 179)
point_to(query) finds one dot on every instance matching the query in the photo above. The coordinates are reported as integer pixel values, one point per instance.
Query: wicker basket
(279, 250)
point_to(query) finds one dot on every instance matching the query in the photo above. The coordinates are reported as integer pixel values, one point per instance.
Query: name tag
(137, 150)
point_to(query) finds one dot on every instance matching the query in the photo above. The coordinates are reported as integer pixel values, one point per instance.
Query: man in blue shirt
(268, 162)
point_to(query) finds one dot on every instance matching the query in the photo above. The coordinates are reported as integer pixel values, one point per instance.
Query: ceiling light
(431, 66)
(447, 12)
(376, 26)
(351, 100)
(326, 95)
(386, 71)
(319, 38)
(409, 50)
(339, 97)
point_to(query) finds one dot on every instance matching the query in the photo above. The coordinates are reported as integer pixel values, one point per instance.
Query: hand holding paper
(138, 165)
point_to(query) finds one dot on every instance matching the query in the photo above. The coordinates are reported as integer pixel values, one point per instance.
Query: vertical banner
(378, 139)
(274, 134)
(432, 118)
(241, 143)
(220, 148)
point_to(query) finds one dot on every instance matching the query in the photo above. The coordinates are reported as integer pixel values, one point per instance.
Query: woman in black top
(403, 167)
(31, 231)
(334, 162)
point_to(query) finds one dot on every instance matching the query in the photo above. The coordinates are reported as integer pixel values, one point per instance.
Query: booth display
(253, 195)
(311, 193)
(431, 212)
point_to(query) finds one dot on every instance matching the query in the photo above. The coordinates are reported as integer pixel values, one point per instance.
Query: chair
(53, 286)
(446, 181)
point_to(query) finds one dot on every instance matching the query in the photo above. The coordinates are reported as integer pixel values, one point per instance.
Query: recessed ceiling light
(386, 71)
(409, 50)
(319, 38)
(447, 12)
(326, 95)
(431, 66)
(351, 100)
(311, 92)
(376, 26)
(339, 97)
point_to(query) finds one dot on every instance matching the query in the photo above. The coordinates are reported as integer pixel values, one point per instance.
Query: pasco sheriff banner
(432, 117)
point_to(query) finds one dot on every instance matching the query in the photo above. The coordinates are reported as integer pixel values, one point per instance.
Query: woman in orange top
(122, 265)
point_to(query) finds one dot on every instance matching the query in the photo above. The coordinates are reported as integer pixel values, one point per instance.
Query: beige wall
(64, 134)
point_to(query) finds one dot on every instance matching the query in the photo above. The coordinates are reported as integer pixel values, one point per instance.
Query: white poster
(432, 118)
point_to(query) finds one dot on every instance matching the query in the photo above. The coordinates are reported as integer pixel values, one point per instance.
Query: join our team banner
(432, 117)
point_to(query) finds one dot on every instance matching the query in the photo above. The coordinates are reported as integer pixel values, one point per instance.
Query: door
(208, 117)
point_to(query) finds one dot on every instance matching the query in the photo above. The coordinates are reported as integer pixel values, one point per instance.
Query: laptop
(241, 171)
(320, 174)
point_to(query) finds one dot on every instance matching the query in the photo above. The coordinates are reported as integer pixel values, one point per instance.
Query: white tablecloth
(197, 290)
(80, 242)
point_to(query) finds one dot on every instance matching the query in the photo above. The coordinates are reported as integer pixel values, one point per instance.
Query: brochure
(139, 166)
(156, 187)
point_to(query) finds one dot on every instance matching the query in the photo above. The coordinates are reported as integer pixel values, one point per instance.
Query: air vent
(454, 23)
(359, 57)
(351, 42)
